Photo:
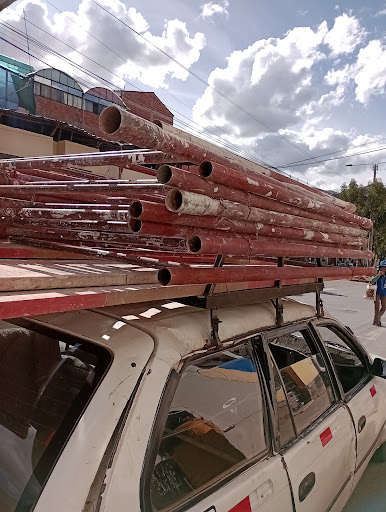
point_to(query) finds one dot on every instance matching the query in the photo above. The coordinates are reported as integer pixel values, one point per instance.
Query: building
(48, 112)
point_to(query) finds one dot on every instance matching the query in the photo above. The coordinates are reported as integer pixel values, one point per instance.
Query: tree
(370, 201)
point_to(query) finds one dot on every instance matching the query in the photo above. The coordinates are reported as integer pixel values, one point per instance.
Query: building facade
(48, 112)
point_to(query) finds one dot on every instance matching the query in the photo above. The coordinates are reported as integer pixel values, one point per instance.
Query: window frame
(66, 429)
(161, 417)
(288, 329)
(352, 343)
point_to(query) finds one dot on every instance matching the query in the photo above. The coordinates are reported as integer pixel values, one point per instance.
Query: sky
(299, 85)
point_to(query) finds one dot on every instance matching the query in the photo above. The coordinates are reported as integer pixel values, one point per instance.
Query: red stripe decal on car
(243, 506)
(326, 436)
(373, 390)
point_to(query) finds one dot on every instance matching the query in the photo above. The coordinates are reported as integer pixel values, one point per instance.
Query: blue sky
(301, 78)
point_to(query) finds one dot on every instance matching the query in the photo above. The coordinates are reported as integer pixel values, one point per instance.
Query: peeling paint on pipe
(184, 180)
(262, 185)
(190, 203)
(254, 167)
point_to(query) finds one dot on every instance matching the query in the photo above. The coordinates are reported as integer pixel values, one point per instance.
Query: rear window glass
(46, 380)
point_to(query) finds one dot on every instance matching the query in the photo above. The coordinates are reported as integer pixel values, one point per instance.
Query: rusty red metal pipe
(231, 274)
(185, 181)
(240, 230)
(120, 122)
(190, 203)
(201, 244)
(122, 159)
(261, 185)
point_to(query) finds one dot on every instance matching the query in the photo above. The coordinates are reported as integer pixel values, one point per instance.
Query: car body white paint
(174, 334)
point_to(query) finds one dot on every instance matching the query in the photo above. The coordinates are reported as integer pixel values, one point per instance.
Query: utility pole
(375, 169)
(374, 166)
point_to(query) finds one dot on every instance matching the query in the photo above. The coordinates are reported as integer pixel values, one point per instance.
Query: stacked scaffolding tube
(179, 218)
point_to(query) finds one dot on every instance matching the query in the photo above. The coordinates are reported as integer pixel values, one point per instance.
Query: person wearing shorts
(380, 296)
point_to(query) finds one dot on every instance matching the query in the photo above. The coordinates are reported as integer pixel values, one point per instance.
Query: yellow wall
(16, 142)
(65, 147)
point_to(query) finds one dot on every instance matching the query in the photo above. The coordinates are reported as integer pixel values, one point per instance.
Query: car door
(363, 393)
(214, 453)
(320, 453)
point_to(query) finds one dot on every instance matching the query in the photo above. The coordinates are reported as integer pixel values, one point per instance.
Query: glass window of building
(58, 86)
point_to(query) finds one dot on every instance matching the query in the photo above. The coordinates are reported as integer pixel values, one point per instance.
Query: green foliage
(370, 201)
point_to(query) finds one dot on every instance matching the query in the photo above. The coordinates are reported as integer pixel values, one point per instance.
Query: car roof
(187, 328)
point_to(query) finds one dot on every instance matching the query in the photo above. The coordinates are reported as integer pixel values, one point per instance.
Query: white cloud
(271, 79)
(381, 13)
(345, 35)
(131, 56)
(211, 8)
(370, 71)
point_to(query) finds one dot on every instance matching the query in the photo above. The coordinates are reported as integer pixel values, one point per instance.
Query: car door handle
(306, 486)
(361, 423)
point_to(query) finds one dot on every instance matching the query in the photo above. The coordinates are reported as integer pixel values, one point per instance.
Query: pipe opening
(135, 225)
(194, 244)
(159, 123)
(164, 174)
(205, 169)
(164, 276)
(110, 119)
(136, 209)
(173, 200)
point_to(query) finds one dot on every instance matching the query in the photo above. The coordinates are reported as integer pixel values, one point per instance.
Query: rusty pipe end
(194, 243)
(135, 225)
(136, 209)
(110, 119)
(205, 169)
(164, 276)
(164, 174)
(173, 200)
(159, 123)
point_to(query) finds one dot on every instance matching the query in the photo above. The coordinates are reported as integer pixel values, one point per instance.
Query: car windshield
(46, 380)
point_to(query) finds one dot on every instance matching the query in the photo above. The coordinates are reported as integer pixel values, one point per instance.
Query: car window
(304, 375)
(216, 422)
(284, 416)
(349, 368)
(45, 382)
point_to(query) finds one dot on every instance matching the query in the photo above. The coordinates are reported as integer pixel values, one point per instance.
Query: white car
(153, 407)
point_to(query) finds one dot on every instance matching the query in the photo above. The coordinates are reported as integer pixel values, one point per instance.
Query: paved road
(344, 300)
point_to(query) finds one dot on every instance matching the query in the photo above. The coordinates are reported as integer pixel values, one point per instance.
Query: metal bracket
(277, 304)
(214, 320)
(280, 264)
(319, 301)
(218, 263)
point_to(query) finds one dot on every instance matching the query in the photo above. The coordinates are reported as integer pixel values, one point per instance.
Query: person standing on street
(380, 297)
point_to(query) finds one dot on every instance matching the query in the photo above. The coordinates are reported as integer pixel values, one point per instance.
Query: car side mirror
(378, 368)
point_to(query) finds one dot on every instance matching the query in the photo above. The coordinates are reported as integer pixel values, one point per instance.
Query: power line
(163, 91)
(237, 149)
(98, 77)
(265, 125)
(333, 152)
(84, 70)
(342, 157)
(37, 43)
(48, 50)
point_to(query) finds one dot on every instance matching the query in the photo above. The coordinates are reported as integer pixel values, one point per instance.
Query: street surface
(344, 300)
